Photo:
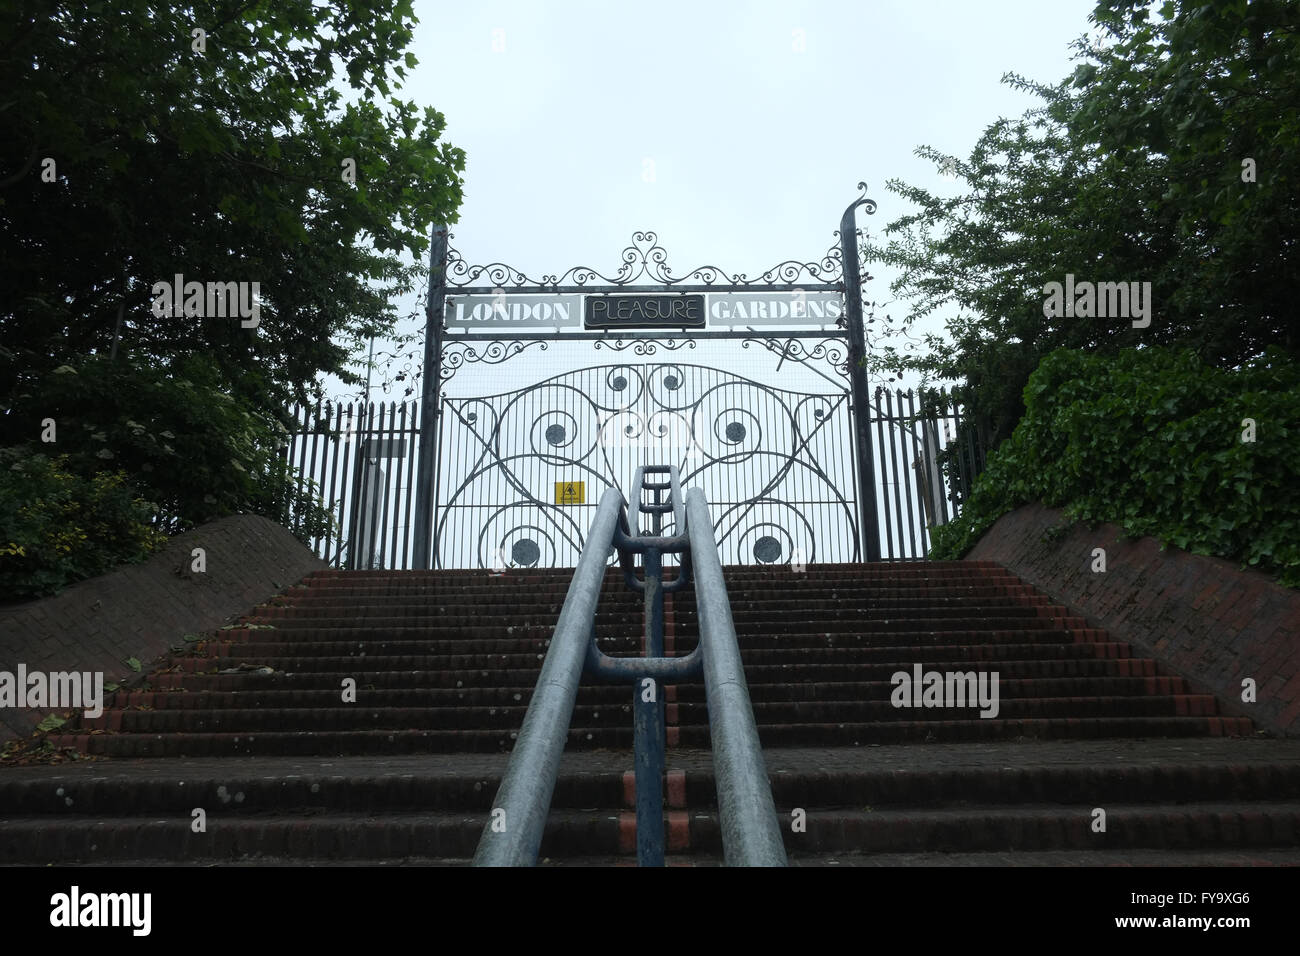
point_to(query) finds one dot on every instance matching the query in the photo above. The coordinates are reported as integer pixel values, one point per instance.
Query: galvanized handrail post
(751, 835)
(648, 712)
(513, 832)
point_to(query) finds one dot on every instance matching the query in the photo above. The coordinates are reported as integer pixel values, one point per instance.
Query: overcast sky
(737, 131)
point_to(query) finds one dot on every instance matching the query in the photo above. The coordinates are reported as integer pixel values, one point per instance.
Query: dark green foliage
(60, 527)
(226, 165)
(189, 448)
(1151, 440)
(222, 165)
(1129, 170)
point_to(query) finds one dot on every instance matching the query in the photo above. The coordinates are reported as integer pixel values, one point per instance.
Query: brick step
(421, 696)
(301, 836)
(976, 786)
(1079, 663)
(341, 743)
(881, 709)
(369, 715)
(850, 621)
(309, 615)
(402, 642)
(893, 656)
(784, 576)
(235, 793)
(1001, 729)
(347, 607)
(866, 593)
(813, 779)
(379, 742)
(314, 633)
(776, 614)
(748, 570)
(345, 664)
(345, 717)
(415, 696)
(486, 585)
(478, 583)
(491, 589)
(819, 574)
(688, 714)
(811, 629)
(318, 680)
(1079, 667)
(1013, 645)
(1194, 827)
(306, 643)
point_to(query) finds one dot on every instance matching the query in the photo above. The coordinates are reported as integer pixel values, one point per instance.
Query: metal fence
(776, 466)
(928, 455)
(358, 460)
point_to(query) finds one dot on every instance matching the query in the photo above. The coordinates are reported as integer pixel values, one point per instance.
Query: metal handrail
(513, 833)
(751, 835)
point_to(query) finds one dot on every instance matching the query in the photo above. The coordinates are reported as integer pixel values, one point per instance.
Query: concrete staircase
(252, 727)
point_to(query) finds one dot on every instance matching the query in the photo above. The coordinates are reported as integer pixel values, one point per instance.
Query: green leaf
(52, 722)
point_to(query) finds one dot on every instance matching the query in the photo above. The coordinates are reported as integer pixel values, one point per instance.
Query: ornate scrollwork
(832, 350)
(645, 262)
(644, 346)
(456, 354)
(770, 458)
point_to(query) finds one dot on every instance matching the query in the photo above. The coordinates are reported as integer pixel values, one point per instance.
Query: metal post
(869, 519)
(429, 395)
(648, 723)
(751, 834)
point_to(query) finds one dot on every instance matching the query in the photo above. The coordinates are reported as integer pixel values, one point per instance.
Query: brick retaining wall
(1209, 621)
(138, 610)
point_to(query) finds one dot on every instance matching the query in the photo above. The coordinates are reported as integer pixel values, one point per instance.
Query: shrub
(196, 452)
(60, 527)
(1151, 440)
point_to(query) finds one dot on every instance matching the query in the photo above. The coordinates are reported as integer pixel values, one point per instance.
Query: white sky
(756, 146)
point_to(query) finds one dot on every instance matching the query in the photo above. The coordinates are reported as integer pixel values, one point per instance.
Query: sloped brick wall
(139, 610)
(1208, 620)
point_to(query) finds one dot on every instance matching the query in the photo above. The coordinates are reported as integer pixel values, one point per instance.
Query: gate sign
(504, 312)
(644, 312)
(570, 492)
(513, 312)
(775, 308)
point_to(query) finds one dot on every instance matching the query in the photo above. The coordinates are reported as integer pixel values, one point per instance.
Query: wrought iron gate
(520, 472)
(507, 472)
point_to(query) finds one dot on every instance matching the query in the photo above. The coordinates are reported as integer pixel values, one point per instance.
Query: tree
(1130, 170)
(210, 140)
(214, 141)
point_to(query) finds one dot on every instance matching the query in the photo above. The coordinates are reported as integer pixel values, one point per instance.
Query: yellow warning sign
(570, 493)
